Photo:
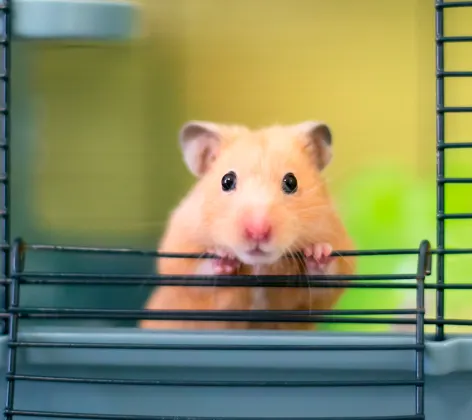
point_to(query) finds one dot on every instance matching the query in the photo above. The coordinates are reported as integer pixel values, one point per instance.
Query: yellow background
(366, 67)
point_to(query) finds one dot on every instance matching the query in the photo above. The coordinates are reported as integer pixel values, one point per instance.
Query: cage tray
(235, 375)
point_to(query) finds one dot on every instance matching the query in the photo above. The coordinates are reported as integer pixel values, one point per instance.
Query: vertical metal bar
(7, 254)
(424, 267)
(17, 266)
(4, 144)
(440, 169)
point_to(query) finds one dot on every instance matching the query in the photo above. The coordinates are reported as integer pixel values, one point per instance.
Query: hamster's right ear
(200, 143)
(320, 140)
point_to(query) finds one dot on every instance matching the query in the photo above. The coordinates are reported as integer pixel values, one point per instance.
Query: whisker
(305, 275)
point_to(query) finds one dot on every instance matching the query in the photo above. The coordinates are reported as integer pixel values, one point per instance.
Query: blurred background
(95, 156)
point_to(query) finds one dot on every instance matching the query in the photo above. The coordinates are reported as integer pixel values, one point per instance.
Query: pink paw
(227, 263)
(318, 256)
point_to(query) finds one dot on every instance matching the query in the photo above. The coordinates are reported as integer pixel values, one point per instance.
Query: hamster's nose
(259, 231)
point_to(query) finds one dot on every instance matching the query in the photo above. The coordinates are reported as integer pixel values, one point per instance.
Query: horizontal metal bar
(268, 384)
(248, 317)
(242, 277)
(224, 283)
(453, 4)
(457, 251)
(281, 282)
(455, 109)
(456, 322)
(239, 347)
(452, 286)
(240, 316)
(450, 39)
(85, 416)
(247, 283)
(464, 145)
(204, 313)
(230, 316)
(230, 282)
(154, 253)
(454, 180)
(454, 73)
(450, 216)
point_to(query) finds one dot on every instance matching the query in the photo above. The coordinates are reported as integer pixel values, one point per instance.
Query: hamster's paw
(227, 263)
(318, 256)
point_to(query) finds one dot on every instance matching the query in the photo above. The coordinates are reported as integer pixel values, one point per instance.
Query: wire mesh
(21, 277)
(442, 180)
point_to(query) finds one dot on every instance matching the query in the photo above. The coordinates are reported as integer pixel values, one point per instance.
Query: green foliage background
(398, 212)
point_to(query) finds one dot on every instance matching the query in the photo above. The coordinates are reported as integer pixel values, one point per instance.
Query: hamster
(259, 195)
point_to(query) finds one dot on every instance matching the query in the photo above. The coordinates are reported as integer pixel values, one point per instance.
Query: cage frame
(14, 253)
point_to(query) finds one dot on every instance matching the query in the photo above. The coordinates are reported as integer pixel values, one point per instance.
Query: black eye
(289, 183)
(228, 182)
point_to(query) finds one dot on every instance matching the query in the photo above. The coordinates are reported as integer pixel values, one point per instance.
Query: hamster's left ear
(319, 139)
(200, 143)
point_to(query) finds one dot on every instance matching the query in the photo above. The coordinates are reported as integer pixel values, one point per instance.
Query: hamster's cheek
(286, 244)
(224, 234)
(287, 229)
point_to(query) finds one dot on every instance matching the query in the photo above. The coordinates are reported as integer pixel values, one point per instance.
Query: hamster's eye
(289, 183)
(228, 182)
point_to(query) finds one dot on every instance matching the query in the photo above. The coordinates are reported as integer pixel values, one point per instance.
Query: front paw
(318, 257)
(226, 263)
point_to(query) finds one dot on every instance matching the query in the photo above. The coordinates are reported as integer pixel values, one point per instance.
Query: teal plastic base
(448, 365)
(75, 19)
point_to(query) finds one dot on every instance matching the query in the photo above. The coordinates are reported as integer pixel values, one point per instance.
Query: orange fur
(208, 217)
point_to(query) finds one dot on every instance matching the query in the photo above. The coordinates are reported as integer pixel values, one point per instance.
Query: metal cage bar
(24, 413)
(5, 38)
(20, 277)
(440, 170)
(441, 149)
(16, 264)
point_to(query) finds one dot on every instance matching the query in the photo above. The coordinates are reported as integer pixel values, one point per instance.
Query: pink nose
(259, 231)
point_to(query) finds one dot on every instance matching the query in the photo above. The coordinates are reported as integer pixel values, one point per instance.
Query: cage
(70, 352)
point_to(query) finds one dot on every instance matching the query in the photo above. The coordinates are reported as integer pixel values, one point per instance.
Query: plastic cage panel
(113, 373)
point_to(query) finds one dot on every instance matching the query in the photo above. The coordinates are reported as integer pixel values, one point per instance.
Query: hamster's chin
(258, 256)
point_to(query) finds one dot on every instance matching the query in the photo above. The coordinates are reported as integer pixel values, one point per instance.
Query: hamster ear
(199, 142)
(319, 142)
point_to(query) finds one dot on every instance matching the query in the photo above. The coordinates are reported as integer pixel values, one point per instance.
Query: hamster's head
(260, 192)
